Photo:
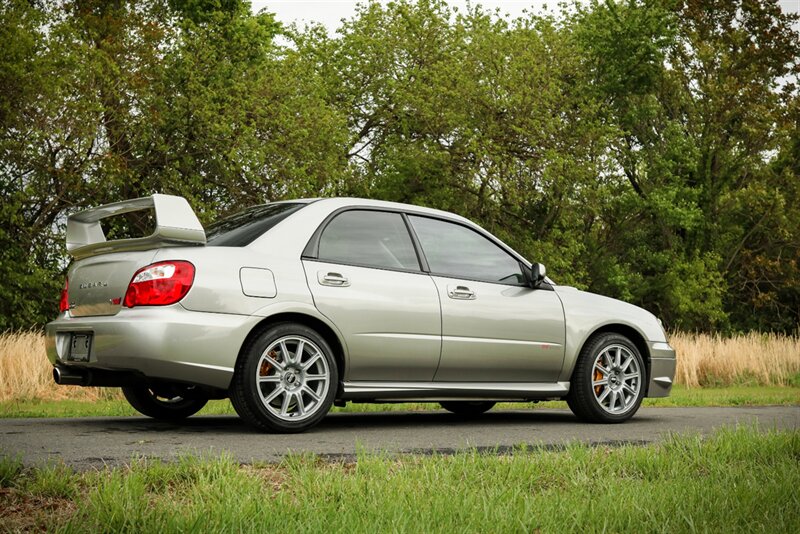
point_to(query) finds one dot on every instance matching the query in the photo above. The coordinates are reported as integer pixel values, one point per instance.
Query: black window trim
(311, 250)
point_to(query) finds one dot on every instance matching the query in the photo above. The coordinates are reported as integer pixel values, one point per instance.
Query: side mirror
(538, 272)
(535, 274)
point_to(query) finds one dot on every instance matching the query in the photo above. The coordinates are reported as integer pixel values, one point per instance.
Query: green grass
(681, 396)
(729, 396)
(735, 481)
(81, 408)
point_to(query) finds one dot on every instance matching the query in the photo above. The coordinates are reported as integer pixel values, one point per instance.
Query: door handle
(332, 279)
(461, 293)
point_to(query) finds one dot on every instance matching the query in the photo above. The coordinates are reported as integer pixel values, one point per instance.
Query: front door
(494, 327)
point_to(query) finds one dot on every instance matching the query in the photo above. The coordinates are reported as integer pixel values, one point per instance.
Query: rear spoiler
(176, 224)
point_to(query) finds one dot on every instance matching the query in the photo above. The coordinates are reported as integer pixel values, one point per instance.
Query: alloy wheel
(292, 378)
(616, 379)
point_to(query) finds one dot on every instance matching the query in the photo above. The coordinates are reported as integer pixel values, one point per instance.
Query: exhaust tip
(68, 377)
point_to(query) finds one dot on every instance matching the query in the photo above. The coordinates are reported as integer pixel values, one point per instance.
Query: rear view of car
(121, 321)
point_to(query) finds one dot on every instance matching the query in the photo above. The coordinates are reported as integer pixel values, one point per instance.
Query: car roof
(347, 202)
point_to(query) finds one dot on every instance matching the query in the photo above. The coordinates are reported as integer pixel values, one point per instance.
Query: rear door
(365, 277)
(494, 327)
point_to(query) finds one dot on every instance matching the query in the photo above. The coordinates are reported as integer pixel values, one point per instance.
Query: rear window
(243, 228)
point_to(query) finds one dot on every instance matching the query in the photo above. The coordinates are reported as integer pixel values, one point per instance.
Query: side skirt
(434, 391)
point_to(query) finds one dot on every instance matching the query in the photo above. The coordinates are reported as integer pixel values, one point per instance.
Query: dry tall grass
(763, 359)
(26, 373)
(703, 360)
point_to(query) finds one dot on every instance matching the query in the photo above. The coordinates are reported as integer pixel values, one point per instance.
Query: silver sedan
(290, 307)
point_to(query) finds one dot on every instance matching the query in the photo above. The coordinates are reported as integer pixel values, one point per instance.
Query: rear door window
(368, 238)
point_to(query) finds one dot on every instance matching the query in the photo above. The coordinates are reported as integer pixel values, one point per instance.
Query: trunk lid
(97, 284)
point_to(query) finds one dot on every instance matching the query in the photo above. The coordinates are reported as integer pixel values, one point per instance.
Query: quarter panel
(217, 285)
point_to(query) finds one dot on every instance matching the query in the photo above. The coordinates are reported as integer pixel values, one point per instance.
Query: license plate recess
(80, 344)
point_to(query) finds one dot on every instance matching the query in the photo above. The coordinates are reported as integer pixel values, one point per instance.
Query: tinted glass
(246, 226)
(373, 238)
(454, 250)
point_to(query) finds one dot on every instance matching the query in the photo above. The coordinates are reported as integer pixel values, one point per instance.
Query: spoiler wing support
(176, 225)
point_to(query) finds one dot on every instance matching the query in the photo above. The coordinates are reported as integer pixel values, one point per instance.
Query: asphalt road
(97, 441)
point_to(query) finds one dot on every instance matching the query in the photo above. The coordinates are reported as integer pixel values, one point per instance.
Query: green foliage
(10, 469)
(648, 150)
(702, 227)
(53, 480)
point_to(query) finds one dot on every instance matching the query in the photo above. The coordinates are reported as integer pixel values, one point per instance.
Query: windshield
(243, 228)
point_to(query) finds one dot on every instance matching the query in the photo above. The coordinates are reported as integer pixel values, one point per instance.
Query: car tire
(275, 390)
(609, 381)
(467, 407)
(163, 405)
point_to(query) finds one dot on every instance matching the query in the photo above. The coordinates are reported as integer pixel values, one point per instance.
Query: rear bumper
(170, 343)
(662, 369)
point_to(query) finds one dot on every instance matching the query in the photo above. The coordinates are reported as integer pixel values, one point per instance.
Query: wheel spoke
(311, 393)
(602, 369)
(285, 352)
(613, 405)
(627, 362)
(314, 359)
(301, 407)
(603, 395)
(285, 406)
(601, 382)
(630, 376)
(609, 359)
(275, 392)
(269, 379)
(316, 377)
(618, 358)
(273, 362)
(629, 388)
(298, 352)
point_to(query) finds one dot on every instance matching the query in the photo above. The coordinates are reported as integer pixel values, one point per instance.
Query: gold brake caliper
(597, 376)
(266, 366)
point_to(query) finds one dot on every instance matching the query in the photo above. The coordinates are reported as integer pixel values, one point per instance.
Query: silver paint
(176, 223)
(402, 334)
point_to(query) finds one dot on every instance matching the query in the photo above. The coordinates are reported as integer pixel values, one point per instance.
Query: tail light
(63, 304)
(160, 284)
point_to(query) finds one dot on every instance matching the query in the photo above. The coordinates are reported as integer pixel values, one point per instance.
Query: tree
(116, 100)
(699, 122)
(644, 149)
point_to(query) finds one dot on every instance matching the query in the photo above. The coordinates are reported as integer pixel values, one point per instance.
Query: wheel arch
(636, 337)
(315, 323)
